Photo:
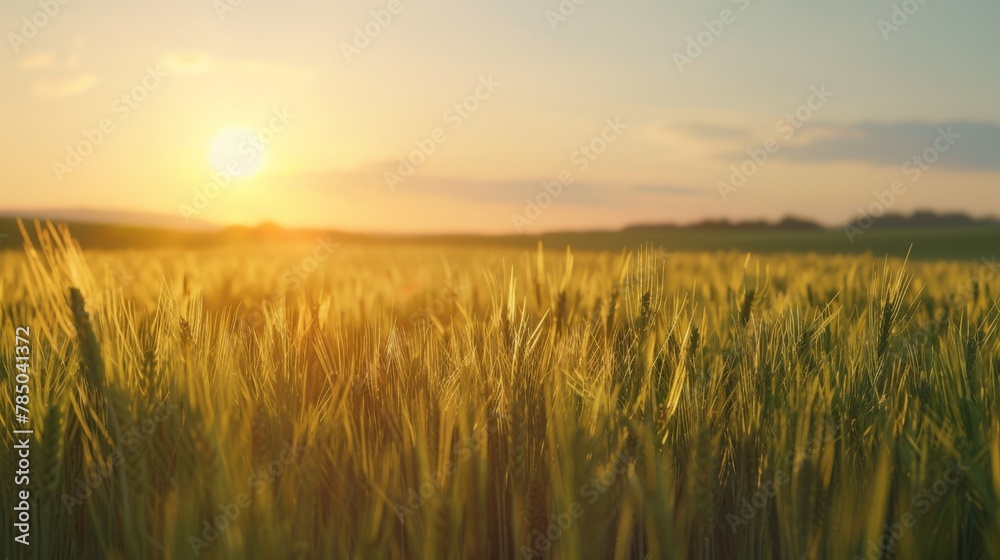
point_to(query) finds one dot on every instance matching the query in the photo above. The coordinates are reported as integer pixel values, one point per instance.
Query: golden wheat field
(372, 401)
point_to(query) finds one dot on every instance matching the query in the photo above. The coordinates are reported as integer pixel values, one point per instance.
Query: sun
(236, 152)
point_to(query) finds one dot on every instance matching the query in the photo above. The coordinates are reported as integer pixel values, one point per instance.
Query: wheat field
(432, 402)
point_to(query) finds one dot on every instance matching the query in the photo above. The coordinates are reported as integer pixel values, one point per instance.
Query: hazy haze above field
(351, 110)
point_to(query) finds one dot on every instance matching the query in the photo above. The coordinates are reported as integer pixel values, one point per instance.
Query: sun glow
(237, 152)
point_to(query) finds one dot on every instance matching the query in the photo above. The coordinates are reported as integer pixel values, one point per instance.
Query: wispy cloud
(366, 181)
(894, 143)
(64, 87)
(669, 190)
(187, 63)
(37, 61)
(194, 62)
(710, 131)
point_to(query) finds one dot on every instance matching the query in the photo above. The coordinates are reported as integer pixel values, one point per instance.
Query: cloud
(669, 190)
(38, 61)
(709, 131)
(187, 63)
(368, 180)
(65, 87)
(977, 147)
(506, 192)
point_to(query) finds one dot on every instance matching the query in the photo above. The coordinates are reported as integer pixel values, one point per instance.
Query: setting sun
(237, 152)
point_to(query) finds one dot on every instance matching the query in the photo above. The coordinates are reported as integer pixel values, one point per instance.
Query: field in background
(939, 242)
(358, 401)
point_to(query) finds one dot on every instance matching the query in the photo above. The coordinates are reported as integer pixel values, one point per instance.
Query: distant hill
(925, 235)
(926, 219)
(111, 217)
(108, 236)
(787, 223)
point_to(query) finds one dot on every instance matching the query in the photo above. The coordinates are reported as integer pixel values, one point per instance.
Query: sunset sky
(504, 95)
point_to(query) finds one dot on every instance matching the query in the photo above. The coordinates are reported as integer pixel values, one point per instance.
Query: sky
(500, 117)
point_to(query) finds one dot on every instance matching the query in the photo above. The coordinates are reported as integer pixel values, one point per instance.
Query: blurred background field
(924, 236)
